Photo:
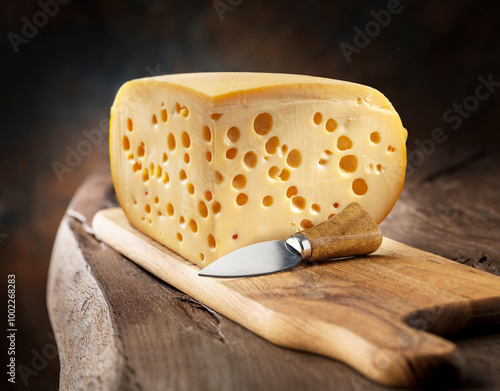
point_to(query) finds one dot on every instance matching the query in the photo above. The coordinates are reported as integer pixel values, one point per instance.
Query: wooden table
(120, 328)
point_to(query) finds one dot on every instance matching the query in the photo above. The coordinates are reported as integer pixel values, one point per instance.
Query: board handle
(349, 233)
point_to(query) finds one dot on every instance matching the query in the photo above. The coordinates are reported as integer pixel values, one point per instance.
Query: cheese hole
(291, 191)
(190, 188)
(233, 134)
(164, 158)
(336, 205)
(152, 169)
(331, 215)
(131, 156)
(318, 118)
(231, 153)
(390, 148)
(299, 202)
(348, 164)
(306, 224)
(241, 199)
(284, 148)
(239, 182)
(202, 256)
(202, 208)
(145, 175)
(263, 124)
(235, 236)
(285, 175)
(130, 125)
(218, 177)
(158, 172)
(166, 178)
(267, 201)
(147, 208)
(344, 143)
(170, 209)
(250, 159)
(380, 168)
(375, 137)
(186, 140)
(208, 195)
(294, 158)
(179, 236)
(193, 226)
(182, 110)
(155, 120)
(182, 221)
(325, 156)
(171, 142)
(182, 175)
(359, 187)
(273, 173)
(272, 145)
(186, 158)
(207, 134)
(164, 115)
(315, 208)
(209, 156)
(137, 166)
(331, 125)
(126, 143)
(211, 242)
(216, 207)
(157, 200)
(140, 150)
(215, 116)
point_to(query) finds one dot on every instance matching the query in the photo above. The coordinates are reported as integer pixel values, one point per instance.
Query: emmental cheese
(207, 163)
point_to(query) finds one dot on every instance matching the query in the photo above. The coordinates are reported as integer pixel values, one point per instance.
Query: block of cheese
(207, 163)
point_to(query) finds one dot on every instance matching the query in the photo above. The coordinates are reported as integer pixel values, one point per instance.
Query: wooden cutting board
(378, 313)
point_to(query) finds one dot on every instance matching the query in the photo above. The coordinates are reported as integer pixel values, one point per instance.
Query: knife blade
(352, 232)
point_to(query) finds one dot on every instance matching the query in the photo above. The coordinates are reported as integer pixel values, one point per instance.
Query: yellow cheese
(207, 163)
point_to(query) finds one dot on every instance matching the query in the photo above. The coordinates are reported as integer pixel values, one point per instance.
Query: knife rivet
(300, 243)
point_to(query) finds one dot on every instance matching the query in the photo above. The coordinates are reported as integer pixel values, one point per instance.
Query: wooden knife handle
(351, 232)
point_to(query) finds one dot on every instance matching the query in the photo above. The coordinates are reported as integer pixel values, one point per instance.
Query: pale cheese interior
(208, 163)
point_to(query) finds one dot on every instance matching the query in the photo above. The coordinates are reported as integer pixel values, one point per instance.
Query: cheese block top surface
(224, 87)
(208, 163)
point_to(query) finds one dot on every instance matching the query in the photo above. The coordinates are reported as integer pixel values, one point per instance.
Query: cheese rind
(208, 163)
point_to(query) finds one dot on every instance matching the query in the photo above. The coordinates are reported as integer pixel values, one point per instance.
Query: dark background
(64, 79)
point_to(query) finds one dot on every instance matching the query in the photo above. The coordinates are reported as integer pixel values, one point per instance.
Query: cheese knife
(349, 233)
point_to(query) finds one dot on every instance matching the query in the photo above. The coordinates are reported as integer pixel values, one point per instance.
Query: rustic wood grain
(368, 302)
(170, 341)
(80, 318)
(350, 232)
